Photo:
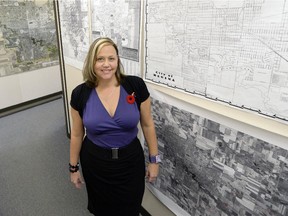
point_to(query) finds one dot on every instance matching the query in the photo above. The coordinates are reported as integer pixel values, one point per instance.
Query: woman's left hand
(152, 172)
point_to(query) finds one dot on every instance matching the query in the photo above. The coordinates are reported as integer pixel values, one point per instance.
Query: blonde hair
(89, 75)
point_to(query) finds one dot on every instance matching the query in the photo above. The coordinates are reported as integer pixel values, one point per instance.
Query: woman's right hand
(76, 179)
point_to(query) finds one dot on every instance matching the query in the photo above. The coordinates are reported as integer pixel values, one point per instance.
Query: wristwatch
(154, 159)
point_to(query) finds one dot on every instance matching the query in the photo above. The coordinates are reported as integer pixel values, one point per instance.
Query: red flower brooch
(131, 98)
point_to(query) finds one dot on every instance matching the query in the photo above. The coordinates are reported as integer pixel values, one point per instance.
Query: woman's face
(106, 63)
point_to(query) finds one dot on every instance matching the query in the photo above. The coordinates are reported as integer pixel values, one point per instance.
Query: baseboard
(144, 212)
(28, 104)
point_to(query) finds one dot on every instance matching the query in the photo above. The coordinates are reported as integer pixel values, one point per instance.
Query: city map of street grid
(119, 20)
(231, 51)
(74, 31)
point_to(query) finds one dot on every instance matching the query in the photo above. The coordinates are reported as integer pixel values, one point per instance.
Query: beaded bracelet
(75, 168)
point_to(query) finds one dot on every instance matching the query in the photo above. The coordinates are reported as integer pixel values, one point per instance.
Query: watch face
(158, 159)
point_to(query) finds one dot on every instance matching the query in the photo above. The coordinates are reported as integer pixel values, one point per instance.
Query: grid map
(234, 52)
(83, 21)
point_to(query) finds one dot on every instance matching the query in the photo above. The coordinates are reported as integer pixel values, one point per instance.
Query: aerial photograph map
(28, 39)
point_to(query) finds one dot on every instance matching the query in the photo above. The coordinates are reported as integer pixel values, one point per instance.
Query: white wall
(23, 87)
(241, 119)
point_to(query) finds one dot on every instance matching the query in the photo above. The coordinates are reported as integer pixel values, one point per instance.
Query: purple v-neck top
(107, 131)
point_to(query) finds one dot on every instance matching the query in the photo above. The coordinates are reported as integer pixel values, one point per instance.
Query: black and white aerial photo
(28, 39)
(211, 169)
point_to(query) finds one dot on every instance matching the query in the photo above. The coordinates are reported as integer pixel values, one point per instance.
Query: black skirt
(115, 181)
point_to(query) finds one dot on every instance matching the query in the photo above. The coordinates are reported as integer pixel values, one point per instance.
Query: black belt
(114, 153)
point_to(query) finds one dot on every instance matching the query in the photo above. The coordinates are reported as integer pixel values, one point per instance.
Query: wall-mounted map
(85, 20)
(209, 168)
(74, 24)
(119, 20)
(28, 39)
(233, 51)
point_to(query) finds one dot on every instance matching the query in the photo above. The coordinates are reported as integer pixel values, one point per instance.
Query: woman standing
(106, 110)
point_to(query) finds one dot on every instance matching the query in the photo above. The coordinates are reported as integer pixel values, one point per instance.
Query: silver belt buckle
(115, 153)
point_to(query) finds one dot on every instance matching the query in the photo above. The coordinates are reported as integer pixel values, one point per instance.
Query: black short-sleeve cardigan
(80, 93)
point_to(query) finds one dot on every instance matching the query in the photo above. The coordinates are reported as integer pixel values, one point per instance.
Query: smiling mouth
(106, 71)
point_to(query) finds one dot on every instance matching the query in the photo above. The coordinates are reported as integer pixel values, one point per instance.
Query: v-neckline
(103, 106)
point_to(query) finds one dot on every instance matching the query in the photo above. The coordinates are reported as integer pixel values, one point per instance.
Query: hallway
(34, 156)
